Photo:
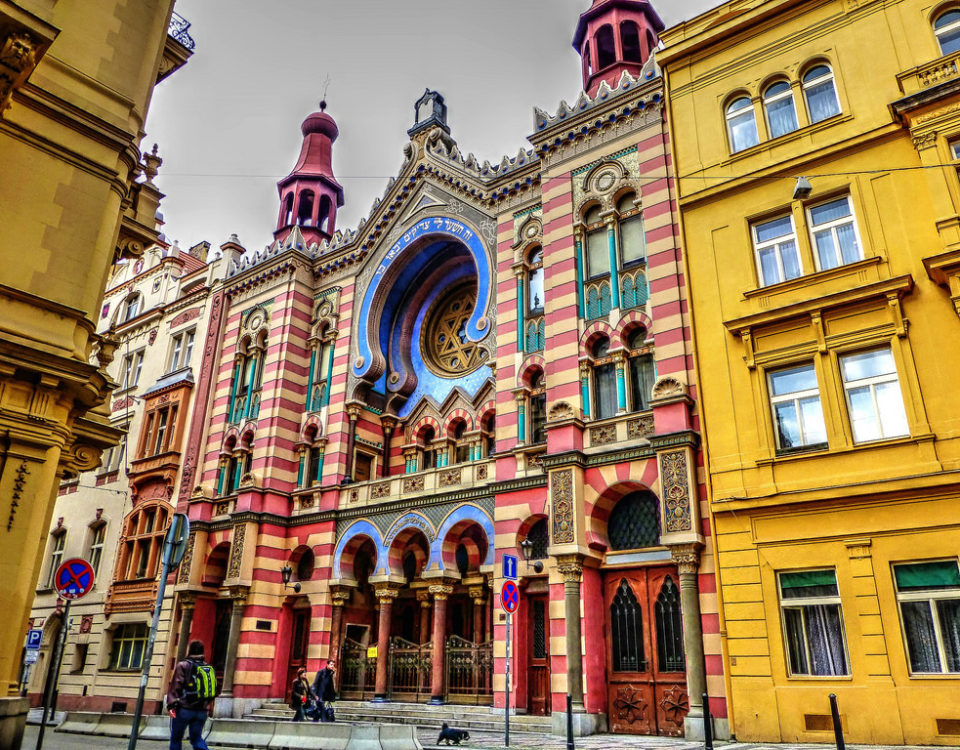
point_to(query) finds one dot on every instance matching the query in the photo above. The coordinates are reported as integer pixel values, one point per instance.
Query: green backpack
(203, 684)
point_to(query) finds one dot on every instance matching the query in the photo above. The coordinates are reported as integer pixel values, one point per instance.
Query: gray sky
(228, 123)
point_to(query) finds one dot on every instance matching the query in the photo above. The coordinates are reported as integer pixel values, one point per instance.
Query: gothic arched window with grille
(635, 522)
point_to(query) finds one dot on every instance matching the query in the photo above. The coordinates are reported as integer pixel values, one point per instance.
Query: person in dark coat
(186, 710)
(325, 689)
(301, 697)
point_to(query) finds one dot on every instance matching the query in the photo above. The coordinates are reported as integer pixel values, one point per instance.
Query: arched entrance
(358, 666)
(646, 670)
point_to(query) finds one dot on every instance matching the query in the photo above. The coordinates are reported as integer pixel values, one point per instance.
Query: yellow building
(825, 320)
(76, 79)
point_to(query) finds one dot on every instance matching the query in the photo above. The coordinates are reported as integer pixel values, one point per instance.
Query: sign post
(509, 600)
(174, 547)
(73, 580)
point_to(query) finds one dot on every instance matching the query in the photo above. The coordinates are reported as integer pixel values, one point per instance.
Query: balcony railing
(179, 30)
(432, 480)
(934, 72)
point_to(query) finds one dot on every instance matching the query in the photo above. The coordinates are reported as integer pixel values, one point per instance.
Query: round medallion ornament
(255, 320)
(605, 181)
(444, 343)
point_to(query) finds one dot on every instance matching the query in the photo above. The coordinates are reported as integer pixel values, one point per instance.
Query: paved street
(487, 740)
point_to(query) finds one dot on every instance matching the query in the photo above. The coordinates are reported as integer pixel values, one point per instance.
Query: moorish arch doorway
(646, 669)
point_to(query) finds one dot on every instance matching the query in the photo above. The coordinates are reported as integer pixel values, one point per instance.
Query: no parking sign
(74, 578)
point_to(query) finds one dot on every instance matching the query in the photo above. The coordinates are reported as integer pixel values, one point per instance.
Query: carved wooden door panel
(538, 677)
(646, 691)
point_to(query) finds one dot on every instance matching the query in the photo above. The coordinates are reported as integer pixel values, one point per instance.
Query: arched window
(463, 560)
(429, 452)
(286, 211)
(461, 448)
(410, 566)
(651, 42)
(131, 307)
(305, 565)
(626, 631)
(669, 628)
(535, 280)
(947, 30)
(780, 108)
(630, 42)
(635, 522)
(741, 124)
(538, 410)
(488, 425)
(598, 249)
(604, 380)
(606, 47)
(643, 372)
(633, 239)
(587, 61)
(539, 537)
(305, 209)
(536, 338)
(820, 91)
(323, 217)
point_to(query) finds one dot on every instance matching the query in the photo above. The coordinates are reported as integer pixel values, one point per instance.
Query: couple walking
(323, 691)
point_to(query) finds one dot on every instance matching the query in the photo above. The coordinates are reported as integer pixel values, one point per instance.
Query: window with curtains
(820, 91)
(643, 371)
(775, 246)
(633, 239)
(741, 124)
(604, 380)
(873, 395)
(813, 623)
(929, 597)
(780, 109)
(833, 233)
(947, 30)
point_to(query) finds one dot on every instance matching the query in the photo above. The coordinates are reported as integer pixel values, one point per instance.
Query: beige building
(162, 309)
(76, 79)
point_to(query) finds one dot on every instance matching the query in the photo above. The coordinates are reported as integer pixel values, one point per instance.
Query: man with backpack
(192, 690)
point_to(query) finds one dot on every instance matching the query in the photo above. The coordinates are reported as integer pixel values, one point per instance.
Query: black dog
(452, 736)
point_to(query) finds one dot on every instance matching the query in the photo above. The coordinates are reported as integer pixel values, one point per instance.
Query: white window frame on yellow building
(930, 596)
(872, 382)
(832, 226)
(802, 603)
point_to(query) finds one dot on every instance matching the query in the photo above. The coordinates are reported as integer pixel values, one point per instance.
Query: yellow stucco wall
(857, 508)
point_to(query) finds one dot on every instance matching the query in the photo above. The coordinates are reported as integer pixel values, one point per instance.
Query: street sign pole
(174, 545)
(506, 690)
(53, 672)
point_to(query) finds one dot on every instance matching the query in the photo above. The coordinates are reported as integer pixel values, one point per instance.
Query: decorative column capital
(389, 424)
(386, 592)
(570, 567)
(423, 596)
(188, 600)
(686, 557)
(353, 412)
(521, 397)
(339, 596)
(440, 591)
(477, 594)
(585, 370)
(239, 595)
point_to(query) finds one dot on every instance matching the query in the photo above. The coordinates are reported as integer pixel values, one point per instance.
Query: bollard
(707, 723)
(837, 726)
(570, 722)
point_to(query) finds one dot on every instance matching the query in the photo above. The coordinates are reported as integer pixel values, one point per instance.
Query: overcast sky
(228, 123)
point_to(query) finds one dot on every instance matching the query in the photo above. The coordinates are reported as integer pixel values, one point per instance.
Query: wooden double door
(299, 643)
(646, 675)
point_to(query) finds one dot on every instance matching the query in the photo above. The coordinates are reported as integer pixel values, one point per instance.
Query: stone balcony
(466, 475)
(621, 429)
(923, 77)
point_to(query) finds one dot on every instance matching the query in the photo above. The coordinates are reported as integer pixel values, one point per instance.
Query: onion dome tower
(310, 195)
(614, 36)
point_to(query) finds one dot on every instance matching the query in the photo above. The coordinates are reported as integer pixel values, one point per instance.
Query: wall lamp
(286, 573)
(526, 548)
(802, 189)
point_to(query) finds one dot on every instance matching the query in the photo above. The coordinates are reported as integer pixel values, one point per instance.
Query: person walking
(325, 691)
(301, 697)
(192, 690)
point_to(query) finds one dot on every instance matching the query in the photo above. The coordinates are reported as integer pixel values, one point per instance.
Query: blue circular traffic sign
(510, 597)
(74, 578)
